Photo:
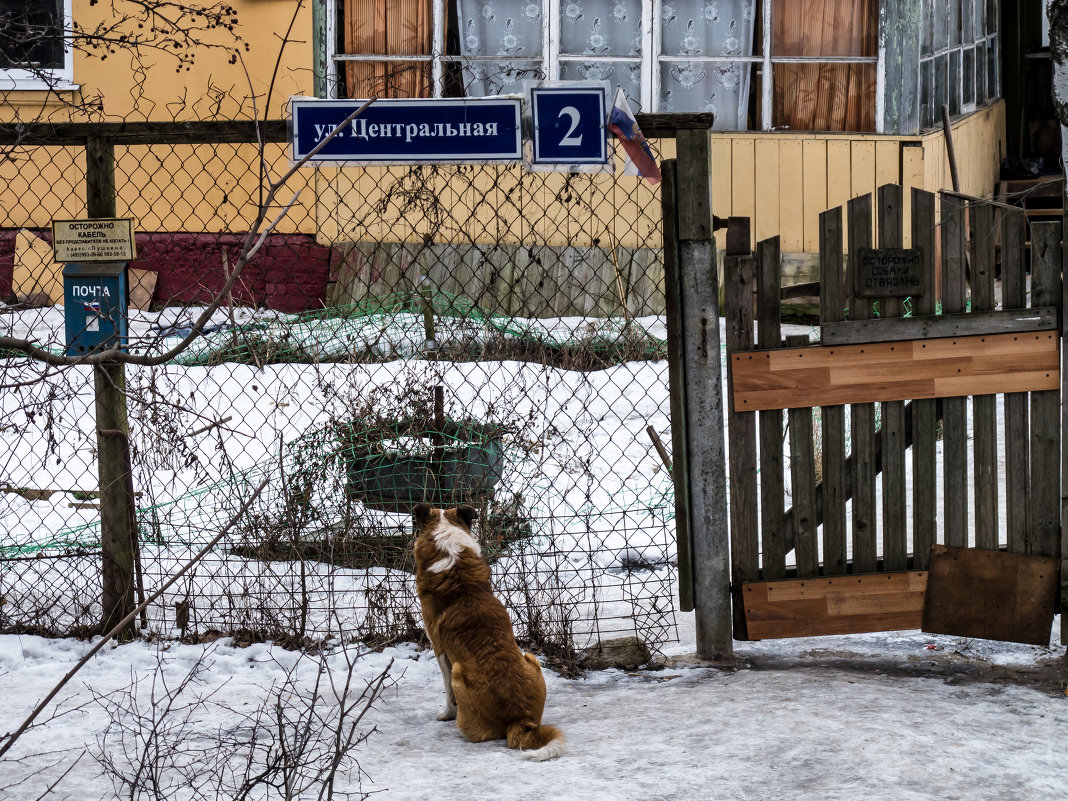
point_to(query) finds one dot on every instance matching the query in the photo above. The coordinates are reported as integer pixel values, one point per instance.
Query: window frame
(991, 36)
(53, 79)
(652, 58)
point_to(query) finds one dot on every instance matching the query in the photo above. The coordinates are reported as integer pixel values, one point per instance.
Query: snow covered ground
(895, 716)
(900, 715)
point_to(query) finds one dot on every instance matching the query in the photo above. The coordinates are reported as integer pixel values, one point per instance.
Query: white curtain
(593, 29)
(708, 28)
(500, 28)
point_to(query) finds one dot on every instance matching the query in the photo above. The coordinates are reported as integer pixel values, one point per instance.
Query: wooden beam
(934, 368)
(888, 329)
(834, 604)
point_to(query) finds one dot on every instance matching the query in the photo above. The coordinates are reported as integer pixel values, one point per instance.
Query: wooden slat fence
(850, 491)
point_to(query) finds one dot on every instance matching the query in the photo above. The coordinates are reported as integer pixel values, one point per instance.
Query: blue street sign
(569, 125)
(453, 130)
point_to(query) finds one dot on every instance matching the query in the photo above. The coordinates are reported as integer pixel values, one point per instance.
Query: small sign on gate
(888, 273)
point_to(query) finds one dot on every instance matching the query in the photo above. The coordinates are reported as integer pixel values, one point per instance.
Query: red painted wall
(288, 274)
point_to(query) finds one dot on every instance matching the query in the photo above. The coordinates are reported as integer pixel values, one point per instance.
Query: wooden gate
(895, 423)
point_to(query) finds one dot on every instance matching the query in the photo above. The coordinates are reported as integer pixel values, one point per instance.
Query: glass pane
(992, 87)
(980, 72)
(954, 22)
(823, 97)
(953, 82)
(968, 77)
(719, 87)
(388, 78)
(485, 78)
(830, 28)
(926, 29)
(30, 34)
(941, 26)
(601, 27)
(980, 18)
(627, 74)
(928, 108)
(702, 28)
(940, 96)
(485, 32)
(967, 29)
(991, 16)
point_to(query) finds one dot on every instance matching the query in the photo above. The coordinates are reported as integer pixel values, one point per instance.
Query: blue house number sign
(569, 125)
(452, 130)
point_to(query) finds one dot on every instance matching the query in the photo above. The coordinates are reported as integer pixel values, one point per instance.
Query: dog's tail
(536, 742)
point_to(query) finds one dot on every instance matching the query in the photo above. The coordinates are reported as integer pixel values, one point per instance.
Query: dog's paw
(448, 713)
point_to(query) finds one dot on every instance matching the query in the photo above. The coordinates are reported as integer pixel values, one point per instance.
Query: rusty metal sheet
(990, 594)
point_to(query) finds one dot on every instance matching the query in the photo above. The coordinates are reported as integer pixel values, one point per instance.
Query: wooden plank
(937, 368)
(1045, 406)
(791, 186)
(743, 177)
(862, 167)
(695, 215)
(862, 415)
(1017, 433)
(741, 425)
(814, 166)
(773, 532)
(954, 410)
(722, 176)
(677, 384)
(769, 189)
(924, 412)
(835, 605)
(803, 485)
(991, 594)
(938, 326)
(839, 187)
(834, 484)
(888, 165)
(984, 411)
(895, 525)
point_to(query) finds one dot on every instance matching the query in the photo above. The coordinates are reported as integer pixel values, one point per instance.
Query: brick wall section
(288, 274)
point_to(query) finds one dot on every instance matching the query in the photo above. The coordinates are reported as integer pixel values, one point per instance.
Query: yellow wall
(783, 181)
(119, 87)
(167, 188)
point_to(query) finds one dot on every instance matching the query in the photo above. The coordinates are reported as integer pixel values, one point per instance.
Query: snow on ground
(895, 716)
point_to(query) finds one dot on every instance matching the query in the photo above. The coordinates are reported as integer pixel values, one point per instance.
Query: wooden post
(680, 473)
(700, 341)
(118, 534)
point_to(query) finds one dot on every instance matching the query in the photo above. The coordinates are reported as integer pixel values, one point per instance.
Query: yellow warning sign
(102, 239)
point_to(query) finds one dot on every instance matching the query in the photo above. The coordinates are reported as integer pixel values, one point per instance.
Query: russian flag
(640, 159)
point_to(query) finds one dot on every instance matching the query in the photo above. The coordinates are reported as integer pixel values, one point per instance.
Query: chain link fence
(477, 334)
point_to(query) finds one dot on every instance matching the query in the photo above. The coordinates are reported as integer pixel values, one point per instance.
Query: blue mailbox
(95, 297)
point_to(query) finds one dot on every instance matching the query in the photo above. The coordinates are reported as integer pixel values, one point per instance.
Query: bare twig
(12, 738)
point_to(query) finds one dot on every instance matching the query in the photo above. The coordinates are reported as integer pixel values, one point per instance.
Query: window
(32, 52)
(756, 64)
(958, 57)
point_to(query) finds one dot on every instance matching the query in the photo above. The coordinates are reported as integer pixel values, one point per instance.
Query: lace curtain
(591, 30)
(704, 28)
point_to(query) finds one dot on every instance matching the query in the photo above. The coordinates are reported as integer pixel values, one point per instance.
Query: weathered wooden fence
(872, 549)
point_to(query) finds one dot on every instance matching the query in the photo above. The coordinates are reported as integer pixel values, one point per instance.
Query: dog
(493, 690)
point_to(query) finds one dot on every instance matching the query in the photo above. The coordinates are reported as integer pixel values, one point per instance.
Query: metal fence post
(117, 528)
(703, 395)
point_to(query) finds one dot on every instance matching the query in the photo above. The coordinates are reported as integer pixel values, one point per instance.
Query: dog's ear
(467, 514)
(421, 514)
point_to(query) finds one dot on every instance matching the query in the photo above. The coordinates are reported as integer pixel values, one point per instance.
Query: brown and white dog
(492, 689)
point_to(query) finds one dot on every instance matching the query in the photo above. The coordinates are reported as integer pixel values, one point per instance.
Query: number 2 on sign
(570, 138)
